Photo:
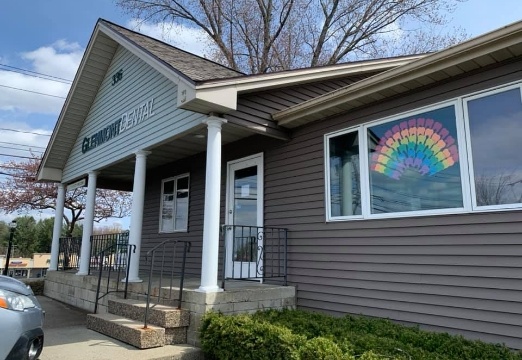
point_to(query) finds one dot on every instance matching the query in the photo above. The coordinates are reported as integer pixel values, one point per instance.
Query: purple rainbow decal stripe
(422, 144)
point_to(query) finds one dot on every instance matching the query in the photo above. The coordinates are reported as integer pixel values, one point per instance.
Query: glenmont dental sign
(125, 122)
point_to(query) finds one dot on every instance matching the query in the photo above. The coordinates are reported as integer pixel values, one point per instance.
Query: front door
(244, 217)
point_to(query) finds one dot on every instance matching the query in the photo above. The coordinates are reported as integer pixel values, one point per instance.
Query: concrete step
(126, 330)
(160, 315)
(174, 321)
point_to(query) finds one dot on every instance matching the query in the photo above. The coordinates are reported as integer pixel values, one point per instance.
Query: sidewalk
(67, 337)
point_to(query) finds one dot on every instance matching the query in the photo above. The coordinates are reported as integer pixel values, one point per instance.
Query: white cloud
(189, 39)
(60, 59)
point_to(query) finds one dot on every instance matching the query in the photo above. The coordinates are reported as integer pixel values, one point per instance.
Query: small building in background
(34, 267)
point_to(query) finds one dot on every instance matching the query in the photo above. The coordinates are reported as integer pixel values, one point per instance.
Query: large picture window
(413, 163)
(174, 204)
(457, 156)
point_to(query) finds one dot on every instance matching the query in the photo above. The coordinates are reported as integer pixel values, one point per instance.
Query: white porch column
(209, 261)
(57, 230)
(136, 222)
(88, 221)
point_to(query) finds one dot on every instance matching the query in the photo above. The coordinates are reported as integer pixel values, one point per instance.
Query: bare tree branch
(258, 36)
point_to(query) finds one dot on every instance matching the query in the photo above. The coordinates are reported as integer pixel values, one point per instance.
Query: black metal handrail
(115, 257)
(168, 250)
(254, 253)
(69, 252)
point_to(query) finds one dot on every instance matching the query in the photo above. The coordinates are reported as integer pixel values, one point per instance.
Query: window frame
(471, 169)
(465, 160)
(174, 210)
(328, 197)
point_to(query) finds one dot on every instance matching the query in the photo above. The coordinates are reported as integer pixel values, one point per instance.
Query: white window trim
(465, 161)
(328, 198)
(175, 179)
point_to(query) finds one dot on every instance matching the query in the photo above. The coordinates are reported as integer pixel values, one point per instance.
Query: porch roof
(483, 51)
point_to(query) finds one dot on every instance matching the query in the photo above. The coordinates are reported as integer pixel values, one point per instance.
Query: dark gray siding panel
(459, 273)
(151, 236)
(257, 109)
(195, 166)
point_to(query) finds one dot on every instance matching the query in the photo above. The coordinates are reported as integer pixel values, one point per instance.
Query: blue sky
(50, 37)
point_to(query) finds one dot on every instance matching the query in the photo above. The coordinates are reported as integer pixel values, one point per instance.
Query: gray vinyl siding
(140, 83)
(195, 167)
(458, 273)
(257, 109)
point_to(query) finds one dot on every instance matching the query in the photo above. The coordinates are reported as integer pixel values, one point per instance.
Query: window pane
(167, 210)
(345, 188)
(414, 163)
(182, 193)
(495, 124)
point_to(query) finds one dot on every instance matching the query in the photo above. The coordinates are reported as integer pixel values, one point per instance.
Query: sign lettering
(125, 122)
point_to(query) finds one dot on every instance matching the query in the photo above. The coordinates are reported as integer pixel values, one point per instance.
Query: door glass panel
(245, 213)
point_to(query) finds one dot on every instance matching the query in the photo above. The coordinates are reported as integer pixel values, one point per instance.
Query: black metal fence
(69, 253)
(70, 250)
(253, 253)
(109, 251)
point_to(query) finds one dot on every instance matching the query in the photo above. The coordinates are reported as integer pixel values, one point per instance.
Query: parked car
(21, 319)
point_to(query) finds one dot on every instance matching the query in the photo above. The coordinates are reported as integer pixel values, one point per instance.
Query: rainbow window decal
(421, 144)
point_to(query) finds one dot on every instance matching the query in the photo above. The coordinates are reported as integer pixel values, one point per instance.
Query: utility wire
(10, 167)
(13, 148)
(26, 132)
(20, 70)
(36, 76)
(31, 146)
(18, 156)
(30, 91)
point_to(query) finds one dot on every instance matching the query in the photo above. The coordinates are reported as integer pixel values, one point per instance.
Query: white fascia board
(458, 54)
(149, 59)
(224, 93)
(291, 77)
(49, 174)
(65, 106)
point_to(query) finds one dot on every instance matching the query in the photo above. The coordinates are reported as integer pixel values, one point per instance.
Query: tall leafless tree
(258, 36)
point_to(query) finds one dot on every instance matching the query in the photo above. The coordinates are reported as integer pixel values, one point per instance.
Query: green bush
(385, 338)
(300, 335)
(242, 337)
(37, 285)
(321, 348)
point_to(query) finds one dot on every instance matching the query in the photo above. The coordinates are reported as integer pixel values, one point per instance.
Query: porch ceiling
(120, 175)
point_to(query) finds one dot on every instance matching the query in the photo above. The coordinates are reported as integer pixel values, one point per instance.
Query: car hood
(14, 285)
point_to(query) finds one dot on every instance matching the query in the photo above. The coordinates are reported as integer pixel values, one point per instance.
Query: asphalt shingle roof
(191, 66)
